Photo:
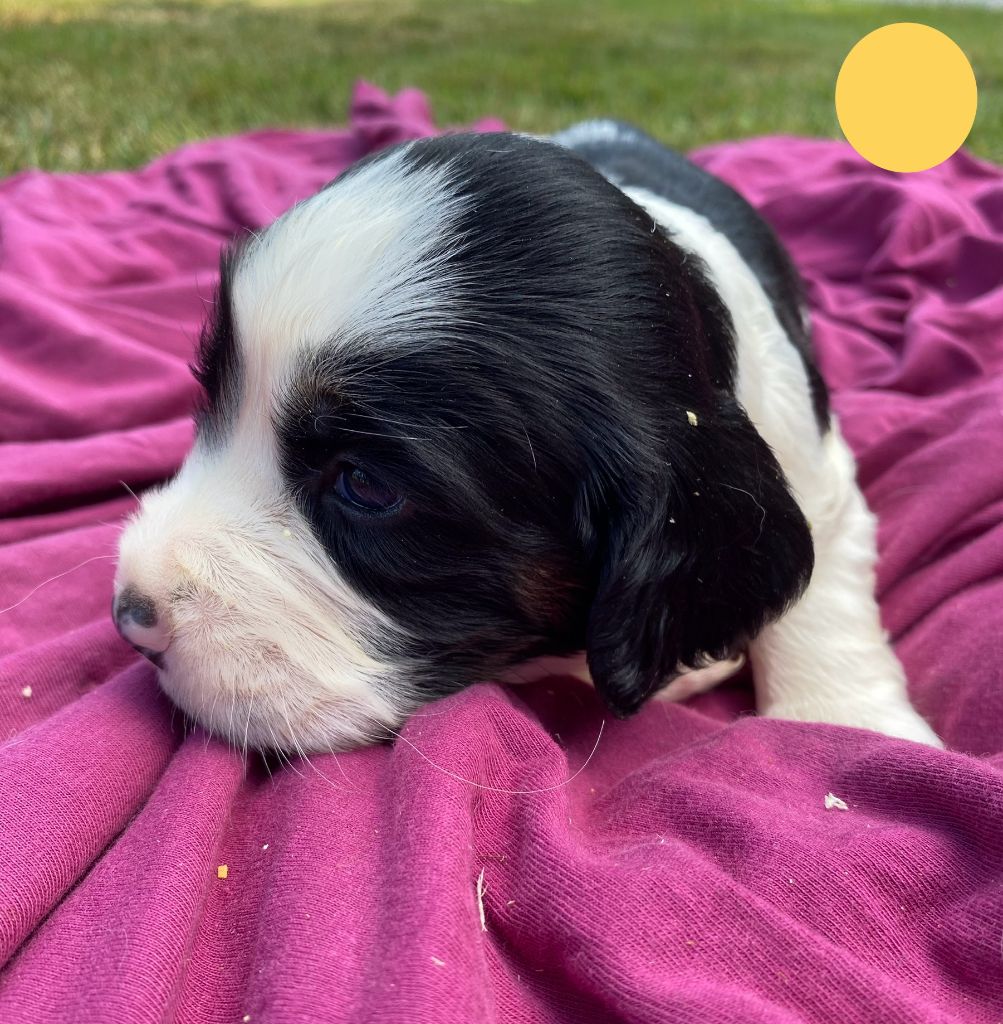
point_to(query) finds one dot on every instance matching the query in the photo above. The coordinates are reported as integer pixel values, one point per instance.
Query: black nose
(131, 604)
(137, 619)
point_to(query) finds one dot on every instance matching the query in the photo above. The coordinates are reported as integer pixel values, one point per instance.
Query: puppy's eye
(364, 492)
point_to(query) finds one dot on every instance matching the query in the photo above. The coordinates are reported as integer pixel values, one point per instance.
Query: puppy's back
(630, 159)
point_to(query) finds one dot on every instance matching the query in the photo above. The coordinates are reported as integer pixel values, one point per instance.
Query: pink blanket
(690, 871)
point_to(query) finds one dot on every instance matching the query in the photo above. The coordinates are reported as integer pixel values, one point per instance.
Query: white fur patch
(828, 659)
(362, 259)
(268, 645)
(599, 130)
(689, 682)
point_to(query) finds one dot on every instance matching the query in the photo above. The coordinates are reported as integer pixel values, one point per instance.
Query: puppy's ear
(700, 554)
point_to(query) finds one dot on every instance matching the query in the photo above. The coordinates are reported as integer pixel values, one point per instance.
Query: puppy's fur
(572, 379)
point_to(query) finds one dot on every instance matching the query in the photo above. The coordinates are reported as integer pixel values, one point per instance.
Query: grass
(89, 84)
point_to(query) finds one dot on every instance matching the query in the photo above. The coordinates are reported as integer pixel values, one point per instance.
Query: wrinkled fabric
(514, 856)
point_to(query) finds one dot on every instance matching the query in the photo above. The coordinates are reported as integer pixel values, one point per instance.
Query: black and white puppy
(490, 400)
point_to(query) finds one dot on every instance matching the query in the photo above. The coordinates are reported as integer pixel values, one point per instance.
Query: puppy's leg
(687, 684)
(700, 680)
(828, 659)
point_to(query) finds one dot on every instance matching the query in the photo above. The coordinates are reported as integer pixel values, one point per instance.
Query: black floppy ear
(700, 555)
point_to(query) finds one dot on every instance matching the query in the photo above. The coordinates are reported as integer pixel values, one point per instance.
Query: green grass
(88, 84)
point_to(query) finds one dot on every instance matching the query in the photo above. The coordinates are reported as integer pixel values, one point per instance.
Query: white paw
(894, 718)
(699, 680)
(544, 667)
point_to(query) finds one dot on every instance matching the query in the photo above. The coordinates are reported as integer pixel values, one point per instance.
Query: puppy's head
(465, 406)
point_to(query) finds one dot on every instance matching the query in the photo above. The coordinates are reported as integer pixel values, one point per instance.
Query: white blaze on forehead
(365, 258)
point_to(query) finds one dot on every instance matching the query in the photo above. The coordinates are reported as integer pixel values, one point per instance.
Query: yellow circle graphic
(906, 97)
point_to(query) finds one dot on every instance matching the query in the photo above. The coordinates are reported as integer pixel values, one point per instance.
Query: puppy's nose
(137, 619)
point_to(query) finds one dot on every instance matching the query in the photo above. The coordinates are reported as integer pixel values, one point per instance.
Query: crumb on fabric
(692, 417)
(265, 847)
(438, 962)
(222, 871)
(246, 1018)
(287, 532)
(480, 900)
(833, 801)
(26, 692)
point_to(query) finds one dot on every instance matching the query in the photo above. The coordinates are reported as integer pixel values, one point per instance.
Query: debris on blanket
(98, 299)
(833, 801)
(26, 692)
(692, 417)
(222, 871)
(480, 900)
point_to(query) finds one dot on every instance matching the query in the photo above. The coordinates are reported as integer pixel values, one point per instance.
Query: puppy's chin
(271, 704)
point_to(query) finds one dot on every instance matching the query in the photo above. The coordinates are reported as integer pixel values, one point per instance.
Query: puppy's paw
(893, 718)
(699, 680)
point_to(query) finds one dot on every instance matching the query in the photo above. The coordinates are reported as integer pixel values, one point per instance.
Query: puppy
(490, 400)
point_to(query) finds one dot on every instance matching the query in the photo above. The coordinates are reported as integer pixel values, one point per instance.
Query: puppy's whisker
(129, 489)
(264, 756)
(497, 789)
(306, 757)
(212, 713)
(341, 768)
(292, 740)
(285, 759)
(443, 710)
(230, 738)
(52, 579)
(117, 526)
(247, 724)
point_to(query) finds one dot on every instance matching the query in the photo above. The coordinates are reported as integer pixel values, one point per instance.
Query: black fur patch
(635, 160)
(558, 497)
(217, 366)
